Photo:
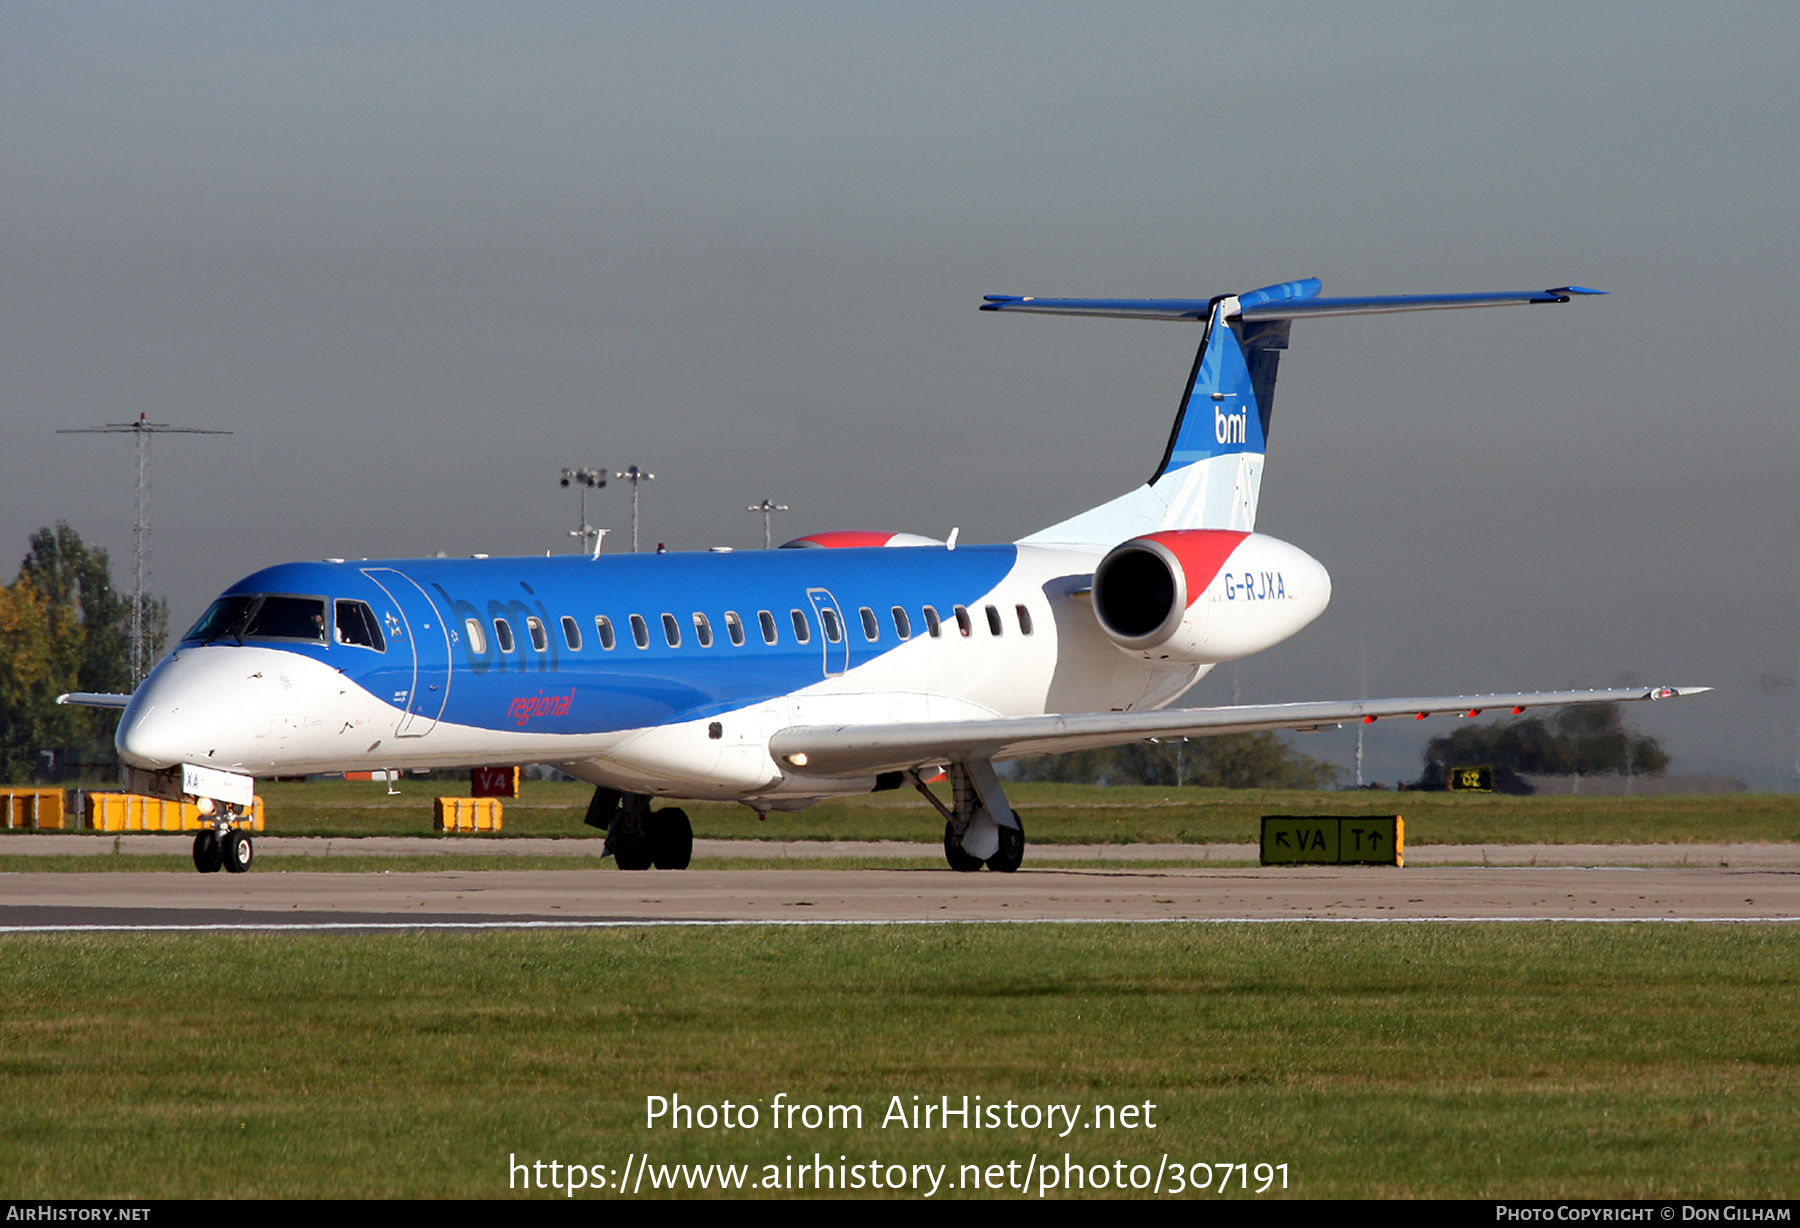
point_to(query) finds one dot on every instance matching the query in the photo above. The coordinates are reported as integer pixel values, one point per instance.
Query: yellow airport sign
(1357, 840)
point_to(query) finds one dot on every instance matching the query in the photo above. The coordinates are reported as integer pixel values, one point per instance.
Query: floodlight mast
(594, 479)
(766, 507)
(143, 428)
(634, 475)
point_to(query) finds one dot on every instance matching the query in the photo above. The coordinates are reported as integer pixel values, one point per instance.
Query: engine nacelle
(1206, 595)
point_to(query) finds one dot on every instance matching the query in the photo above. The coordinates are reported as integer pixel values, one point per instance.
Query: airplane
(851, 662)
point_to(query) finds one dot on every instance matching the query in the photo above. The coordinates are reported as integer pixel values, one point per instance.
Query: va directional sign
(1360, 840)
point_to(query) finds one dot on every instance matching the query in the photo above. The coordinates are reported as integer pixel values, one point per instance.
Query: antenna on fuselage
(143, 428)
(766, 508)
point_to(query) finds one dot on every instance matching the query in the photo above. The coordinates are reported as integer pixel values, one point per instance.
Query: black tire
(208, 857)
(961, 862)
(1012, 849)
(671, 839)
(238, 852)
(629, 843)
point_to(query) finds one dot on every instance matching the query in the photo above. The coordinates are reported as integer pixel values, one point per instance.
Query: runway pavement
(499, 898)
(143, 843)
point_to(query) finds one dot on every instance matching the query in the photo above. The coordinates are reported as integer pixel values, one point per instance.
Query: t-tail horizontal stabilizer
(1290, 300)
(1211, 472)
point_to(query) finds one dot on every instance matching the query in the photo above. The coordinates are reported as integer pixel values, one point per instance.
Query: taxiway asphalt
(500, 898)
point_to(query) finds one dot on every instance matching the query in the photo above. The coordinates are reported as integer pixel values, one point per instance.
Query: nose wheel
(223, 847)
(238, 851)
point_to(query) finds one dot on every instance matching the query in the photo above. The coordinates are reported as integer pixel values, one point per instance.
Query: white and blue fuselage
(662, 674)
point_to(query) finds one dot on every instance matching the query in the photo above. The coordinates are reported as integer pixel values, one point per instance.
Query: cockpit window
(288, 618)
(220, 617)
(356, 624)
(269, 617)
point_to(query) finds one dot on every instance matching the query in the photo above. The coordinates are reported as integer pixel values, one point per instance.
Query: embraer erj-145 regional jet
(850, 663)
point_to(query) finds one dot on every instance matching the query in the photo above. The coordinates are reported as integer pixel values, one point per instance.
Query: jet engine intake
(1206, 595)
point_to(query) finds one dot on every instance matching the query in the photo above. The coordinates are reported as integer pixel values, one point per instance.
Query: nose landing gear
(222, 846)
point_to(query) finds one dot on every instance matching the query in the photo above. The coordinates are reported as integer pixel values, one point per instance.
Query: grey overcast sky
(419, 257)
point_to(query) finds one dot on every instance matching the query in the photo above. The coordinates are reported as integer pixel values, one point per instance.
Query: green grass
(1407, 1060)
(1081, 814)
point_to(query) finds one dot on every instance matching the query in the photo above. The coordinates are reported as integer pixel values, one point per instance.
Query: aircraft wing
(846, 750)
(94, 699)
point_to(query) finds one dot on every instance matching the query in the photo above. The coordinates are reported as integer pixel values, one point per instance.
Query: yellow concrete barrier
(32, 809)
(135, 812)
(465, 814)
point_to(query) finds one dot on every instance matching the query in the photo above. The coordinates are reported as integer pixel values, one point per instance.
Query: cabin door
(834, 637)
(420, 627)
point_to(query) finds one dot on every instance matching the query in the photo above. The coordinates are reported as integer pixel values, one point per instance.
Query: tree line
(1230, 761)
(1588, 740)
(64, 627)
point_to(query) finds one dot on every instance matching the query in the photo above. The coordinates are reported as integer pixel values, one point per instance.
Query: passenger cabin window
(802, 628)
(503, 636)
(671, 630)
(734, 627)
(962, 621)
(1024, 619)
(535, 627)
(640, 631)
(702, 630)
(356, 624)
(995, 627)
(571, 634)
(834, 629)
(767, 622)
(604, 629)
(902, 624)
(933, 627)
(477, 637)
(871, 628)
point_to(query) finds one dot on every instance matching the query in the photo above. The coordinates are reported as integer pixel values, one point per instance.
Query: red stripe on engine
(1201, 552)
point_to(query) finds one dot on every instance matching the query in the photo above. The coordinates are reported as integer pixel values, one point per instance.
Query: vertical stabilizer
(1211, 471)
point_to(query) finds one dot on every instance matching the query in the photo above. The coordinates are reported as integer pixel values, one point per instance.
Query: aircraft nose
(186, 712)
(167, 723)
(148, 739)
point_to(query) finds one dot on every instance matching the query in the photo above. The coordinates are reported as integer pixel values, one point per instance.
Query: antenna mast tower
(143, 428)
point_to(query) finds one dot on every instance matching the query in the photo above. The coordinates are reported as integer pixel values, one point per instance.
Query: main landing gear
(638, 837)
(980, 827)
(222, 846)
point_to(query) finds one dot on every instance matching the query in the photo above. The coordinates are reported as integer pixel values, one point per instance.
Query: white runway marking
(341, 926)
